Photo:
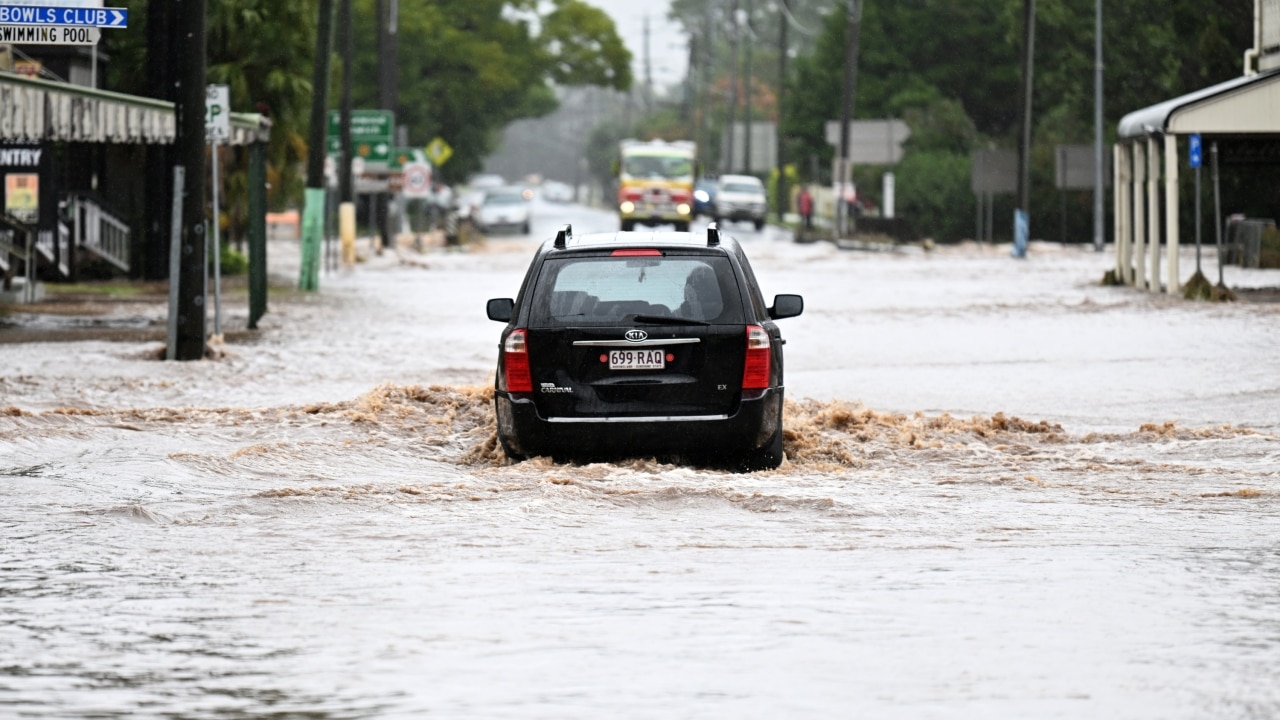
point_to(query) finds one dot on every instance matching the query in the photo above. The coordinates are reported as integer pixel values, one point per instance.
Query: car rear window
(503, 199)
(610, 290)
(743, 188)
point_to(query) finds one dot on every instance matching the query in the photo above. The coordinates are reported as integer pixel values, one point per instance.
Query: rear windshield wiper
(666, 320)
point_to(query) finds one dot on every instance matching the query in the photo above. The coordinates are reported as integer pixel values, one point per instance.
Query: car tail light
(632, 194)
(515, 363)
(755, 374)
(639, 252)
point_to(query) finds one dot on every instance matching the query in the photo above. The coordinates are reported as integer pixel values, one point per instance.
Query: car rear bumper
(528, 433)
(656, 217)
(740, 214)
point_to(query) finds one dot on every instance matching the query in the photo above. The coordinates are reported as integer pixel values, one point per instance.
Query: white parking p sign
(217, 113)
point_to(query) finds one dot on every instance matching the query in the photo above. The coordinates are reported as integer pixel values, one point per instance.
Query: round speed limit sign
(417, 180)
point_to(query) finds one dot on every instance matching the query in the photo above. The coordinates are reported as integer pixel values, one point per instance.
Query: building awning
(1243, 106)
(33, 110)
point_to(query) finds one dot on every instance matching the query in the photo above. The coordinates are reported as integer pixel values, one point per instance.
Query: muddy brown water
(318, 523)
(379, 557)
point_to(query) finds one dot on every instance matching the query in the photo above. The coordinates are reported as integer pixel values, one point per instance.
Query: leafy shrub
(233, 262)
(933, 193)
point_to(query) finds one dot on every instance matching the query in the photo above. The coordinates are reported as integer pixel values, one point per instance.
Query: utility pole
(648, 70)
(346, 189)
(158, 178)
(844, 169)
(388, 95)
(784, 196)
(188, 342)
(313, 209)
(733, 92)
(1099, 188)
(1022, 216)
(708, 74)
(746, 91)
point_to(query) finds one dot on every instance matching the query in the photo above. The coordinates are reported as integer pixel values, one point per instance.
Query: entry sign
(71, 16)
(217, 113)
(1195, 150)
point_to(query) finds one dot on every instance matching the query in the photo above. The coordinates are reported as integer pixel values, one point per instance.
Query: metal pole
(784, 193)
(848, 97)
(1099, 189)
(728, 163)
(1022, 220)
(1198, 220)
(29, 269)
(746, 91)
(978, 233)
(217, 247)
(175, 247)
(991, 218)
(257, 233)
(1217, 210)
(346, 46)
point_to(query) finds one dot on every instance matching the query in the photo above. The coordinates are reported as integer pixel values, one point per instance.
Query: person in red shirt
(805, 201)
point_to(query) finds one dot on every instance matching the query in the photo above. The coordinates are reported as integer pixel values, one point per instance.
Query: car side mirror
(784, 306)
(500, 309)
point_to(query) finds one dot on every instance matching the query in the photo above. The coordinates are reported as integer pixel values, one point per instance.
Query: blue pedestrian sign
(65, 16)
(1195, 150)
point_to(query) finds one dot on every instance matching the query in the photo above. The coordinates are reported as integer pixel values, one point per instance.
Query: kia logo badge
(636, 336)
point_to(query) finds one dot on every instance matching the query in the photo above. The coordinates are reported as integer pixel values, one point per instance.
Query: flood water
(1009, 493)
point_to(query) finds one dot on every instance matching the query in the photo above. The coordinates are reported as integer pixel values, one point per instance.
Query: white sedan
(506, 208)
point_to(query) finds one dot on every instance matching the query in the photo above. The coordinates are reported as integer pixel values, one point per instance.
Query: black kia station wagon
(642, 344)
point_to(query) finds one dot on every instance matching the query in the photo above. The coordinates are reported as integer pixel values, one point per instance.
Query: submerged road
(1010, 492)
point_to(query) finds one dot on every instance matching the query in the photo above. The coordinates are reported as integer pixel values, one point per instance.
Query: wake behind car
(642, 343)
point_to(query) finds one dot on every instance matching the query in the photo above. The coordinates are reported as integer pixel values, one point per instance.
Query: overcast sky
(668, 46)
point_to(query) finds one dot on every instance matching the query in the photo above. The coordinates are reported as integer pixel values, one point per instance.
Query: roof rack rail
(563, 235)
(713, 235)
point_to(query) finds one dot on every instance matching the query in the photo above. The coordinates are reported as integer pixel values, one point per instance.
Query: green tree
(263, 50)
(951, 69)
(470, 67)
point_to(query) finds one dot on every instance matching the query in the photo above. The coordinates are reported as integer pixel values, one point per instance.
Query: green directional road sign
(401, 156)
(371, 132)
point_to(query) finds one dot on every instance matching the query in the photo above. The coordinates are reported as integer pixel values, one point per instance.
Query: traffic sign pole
(1195, 152)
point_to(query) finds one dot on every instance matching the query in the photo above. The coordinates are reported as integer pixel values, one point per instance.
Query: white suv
(741, 197)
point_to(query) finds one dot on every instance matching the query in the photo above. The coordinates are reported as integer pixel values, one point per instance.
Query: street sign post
(217, 129)
(1195, 154)
(48, 35)
(67, 16)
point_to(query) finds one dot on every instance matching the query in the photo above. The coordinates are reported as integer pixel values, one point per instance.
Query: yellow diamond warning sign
(438, 151)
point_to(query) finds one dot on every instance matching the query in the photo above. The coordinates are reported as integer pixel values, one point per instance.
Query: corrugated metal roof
(33, 110)
(1155, 118)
